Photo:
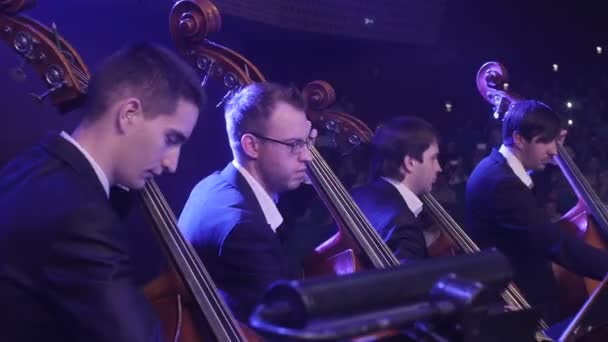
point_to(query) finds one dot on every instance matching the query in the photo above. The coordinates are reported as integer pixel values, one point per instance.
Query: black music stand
(440, 299)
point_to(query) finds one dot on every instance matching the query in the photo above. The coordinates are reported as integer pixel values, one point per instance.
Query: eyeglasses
(297, 146)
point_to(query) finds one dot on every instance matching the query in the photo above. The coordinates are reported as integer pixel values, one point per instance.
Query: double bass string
(366, 236)
(447, 222)
(379, 248)
(222, 324)
(348, 208)
(511, 295)
(203, 276)
(591, 198)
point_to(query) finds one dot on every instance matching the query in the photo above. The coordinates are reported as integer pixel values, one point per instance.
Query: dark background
(414, 57)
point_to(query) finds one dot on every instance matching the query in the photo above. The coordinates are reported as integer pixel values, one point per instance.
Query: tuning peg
(225, 98)
(56, 35)
(56, 38)
(50, 91)
(354, 140)
(206, 65)
(205, 78)
(332, 126)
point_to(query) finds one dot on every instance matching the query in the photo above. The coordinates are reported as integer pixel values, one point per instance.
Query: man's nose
(553, 149)
(171, 161)
(306, 154)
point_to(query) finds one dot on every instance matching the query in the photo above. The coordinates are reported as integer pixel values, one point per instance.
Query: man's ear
(407, 164)
(250, 146)
(129, 113)
(518, 140)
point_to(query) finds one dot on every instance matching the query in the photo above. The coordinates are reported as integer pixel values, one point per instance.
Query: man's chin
(295, 184)
(138, 184)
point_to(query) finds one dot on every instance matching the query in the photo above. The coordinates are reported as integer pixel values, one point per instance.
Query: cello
(66, 77)
(587, 220)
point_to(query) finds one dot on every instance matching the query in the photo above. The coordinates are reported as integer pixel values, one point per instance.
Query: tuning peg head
(50, 91)
(38, 98)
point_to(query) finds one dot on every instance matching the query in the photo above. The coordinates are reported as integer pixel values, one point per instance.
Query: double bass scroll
(587, 220)
(61, 68)
(67, 77)
(346, 133)
(190, 22)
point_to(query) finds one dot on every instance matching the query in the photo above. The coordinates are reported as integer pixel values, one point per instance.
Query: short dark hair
(396, 138)
(154, 74)
(249, 109)
(531, 119)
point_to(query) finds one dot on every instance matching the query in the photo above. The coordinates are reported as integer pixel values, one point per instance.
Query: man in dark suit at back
(231, 216)
(65, 272)
(404, 165)
(502, 211)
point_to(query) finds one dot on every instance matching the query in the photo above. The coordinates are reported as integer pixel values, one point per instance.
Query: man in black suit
(231, 217)
(64, 265)
(404, 165)
(502, 211)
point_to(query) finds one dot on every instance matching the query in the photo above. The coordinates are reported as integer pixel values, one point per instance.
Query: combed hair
(531, 119)
(153, 74)
(249, 109)
(396, 138)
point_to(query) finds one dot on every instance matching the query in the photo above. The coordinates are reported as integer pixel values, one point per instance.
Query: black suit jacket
(64, 266)
(226, 225)
(503, 212)
(387, 211)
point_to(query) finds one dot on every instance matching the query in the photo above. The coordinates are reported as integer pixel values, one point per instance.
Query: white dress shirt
(269, 207)
(98, 171)
(516, 166)
(413, 202)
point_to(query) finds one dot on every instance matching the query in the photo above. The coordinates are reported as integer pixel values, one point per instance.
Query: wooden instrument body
(574, 289)
(176, 310)
(336, 256)
(67, 77)
(586, 220)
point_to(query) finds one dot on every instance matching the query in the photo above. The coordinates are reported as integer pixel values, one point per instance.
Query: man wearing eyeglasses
(231, 217)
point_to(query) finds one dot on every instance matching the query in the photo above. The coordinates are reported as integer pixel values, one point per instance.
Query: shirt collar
(269, 207)
(413, 202)
(98, 171)
(516, 166)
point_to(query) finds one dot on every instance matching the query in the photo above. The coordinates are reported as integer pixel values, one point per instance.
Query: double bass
(67, 77)
(348, 133)
(587, 220)
(191, 20)
(189, 25)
